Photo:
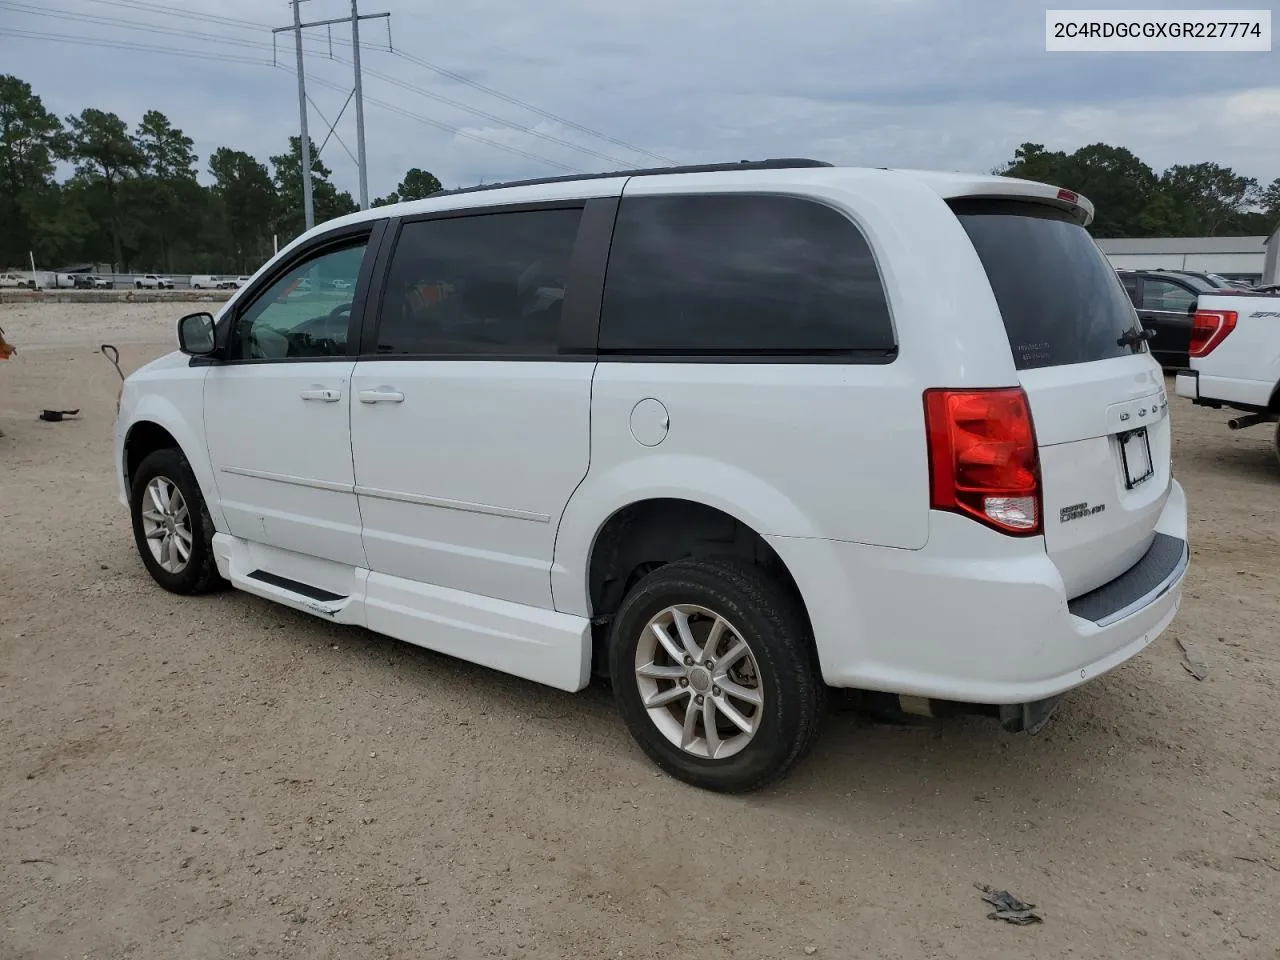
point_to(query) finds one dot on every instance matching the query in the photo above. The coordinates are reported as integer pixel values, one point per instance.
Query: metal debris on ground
(1193, 660)
(57, 416)
(112, 354)
(1008, 907)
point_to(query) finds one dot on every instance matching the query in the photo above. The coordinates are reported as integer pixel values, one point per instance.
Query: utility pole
(355, 59)
(361, 162)
(308, 204)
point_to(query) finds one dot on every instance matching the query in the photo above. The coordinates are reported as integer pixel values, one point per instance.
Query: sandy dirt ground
(220, 777)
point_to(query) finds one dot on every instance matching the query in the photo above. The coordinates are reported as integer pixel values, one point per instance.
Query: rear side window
(1167, 296)
(741, 275)
(1131, 288)
(485, 284)
(1060, 299)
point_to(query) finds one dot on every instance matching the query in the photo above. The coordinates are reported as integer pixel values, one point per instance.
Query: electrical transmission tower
(297, 27)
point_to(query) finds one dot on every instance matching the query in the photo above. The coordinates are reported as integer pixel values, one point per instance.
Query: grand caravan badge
(1078, 510)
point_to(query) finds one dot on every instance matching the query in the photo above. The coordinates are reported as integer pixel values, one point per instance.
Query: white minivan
(730, 435)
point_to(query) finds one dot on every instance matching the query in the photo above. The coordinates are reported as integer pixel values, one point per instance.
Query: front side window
(488, 284)
(1167, 296)
(305, 312)
(741, 274)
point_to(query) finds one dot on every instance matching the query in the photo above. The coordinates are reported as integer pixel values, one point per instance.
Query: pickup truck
(91, 281)
(16, 280)
(1235, 358)
(151, 282)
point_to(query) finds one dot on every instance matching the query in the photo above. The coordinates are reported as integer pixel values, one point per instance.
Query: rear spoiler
(1077, 205)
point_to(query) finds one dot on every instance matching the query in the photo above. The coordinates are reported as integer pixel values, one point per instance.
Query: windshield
(1060, 299)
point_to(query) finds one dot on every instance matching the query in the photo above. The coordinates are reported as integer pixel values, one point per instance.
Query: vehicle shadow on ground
(916, 775)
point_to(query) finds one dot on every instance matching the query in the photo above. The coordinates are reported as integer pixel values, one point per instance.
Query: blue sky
(913, 83)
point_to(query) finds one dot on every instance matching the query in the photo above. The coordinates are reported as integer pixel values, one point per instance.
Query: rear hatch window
(1061, 301)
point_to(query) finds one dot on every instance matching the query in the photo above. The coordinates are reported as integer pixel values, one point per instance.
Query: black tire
(137, 284)
(1276, 445)
(200, 574)
(770, 619)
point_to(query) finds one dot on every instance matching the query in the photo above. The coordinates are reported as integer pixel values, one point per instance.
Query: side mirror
(195, 334)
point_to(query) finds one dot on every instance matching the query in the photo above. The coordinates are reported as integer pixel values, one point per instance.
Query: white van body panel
(828, 463)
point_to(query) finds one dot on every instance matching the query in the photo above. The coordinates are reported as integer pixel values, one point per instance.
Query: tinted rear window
(741, 275)
(1061, 300)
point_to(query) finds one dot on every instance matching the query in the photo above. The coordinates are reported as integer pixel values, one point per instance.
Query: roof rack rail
(785, 163)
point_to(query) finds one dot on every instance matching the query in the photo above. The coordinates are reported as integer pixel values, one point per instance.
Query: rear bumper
(1209, 391)
(995, 628)
(1186, 383)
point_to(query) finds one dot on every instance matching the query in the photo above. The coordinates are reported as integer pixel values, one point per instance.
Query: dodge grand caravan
(731, 435)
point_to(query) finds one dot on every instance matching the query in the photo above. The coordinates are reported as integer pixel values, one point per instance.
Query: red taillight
(1209, 328)
(1068, 195)
(982, 457)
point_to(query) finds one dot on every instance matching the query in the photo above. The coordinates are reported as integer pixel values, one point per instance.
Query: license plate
(1135, 454)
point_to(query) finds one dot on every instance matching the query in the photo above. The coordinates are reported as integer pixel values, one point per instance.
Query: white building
(1237, 258)
(1271, 269)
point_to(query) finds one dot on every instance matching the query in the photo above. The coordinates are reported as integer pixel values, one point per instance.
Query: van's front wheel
(713, 669)
(171, 524)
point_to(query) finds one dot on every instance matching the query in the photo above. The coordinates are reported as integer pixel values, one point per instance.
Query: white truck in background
(1235, 358)
(207, 281)
(150, 281)
(39, 280)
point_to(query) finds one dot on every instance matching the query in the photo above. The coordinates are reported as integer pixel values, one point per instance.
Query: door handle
(327, 396)
(381, 395)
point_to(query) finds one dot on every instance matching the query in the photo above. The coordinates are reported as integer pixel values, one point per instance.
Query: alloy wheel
(699, 681)
(166, 523)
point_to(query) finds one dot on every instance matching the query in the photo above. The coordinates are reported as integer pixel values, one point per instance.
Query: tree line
(1132, 200)
(133, 198)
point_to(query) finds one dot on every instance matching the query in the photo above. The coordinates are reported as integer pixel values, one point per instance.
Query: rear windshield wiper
(1131, 337)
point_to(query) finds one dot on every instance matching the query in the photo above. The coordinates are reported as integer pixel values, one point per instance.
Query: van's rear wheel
(713, 669)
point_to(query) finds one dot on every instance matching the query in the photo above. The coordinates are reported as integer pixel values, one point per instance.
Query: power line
(240, 24)
(162, 10)
(158, 9)
(61, 14)
(456, 131)
(130, 45)
(106, 43)
(457, 104)
(71, 15)
(443, 71)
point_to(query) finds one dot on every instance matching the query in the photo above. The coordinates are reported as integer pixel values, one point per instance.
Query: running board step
(294, 586)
